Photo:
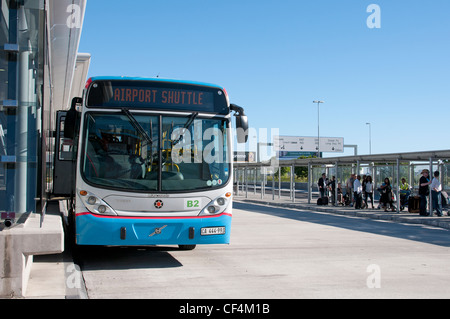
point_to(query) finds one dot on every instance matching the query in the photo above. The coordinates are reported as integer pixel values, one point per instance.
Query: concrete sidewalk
(55, 277)
(52, 274)
(301, 203)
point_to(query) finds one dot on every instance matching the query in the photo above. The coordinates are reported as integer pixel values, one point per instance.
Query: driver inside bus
(102, 164)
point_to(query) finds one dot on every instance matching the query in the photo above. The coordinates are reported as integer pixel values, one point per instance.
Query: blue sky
(275, 57)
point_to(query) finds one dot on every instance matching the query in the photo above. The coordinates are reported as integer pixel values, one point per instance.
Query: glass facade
(22, 39)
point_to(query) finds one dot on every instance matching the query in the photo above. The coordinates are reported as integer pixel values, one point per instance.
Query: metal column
(336, 183)
(293, 182)
(309, 183)
(20, 189)
(254, 181)
(279, 182)
(246, 181)
(273, 183)
(397, 185)
(430, 198)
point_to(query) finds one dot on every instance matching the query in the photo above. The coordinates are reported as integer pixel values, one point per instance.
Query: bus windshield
(143, 152)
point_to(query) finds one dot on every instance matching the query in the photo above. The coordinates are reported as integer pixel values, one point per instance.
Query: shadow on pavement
(117, 258)
(416, 232)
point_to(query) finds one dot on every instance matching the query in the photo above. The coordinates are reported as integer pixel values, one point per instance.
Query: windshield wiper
(191, 119)
(137, 126)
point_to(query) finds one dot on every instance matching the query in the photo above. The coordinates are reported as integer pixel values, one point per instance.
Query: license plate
(212, 231)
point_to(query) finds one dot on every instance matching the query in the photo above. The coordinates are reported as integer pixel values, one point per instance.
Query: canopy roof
(425, 156)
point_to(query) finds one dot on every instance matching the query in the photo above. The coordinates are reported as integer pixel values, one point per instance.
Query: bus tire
(187, 247)
(70, 226)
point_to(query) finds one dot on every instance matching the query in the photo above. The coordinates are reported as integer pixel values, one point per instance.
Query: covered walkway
(379, 166)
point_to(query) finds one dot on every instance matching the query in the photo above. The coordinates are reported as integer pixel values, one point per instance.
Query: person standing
(357, 188)
(332, 186)
(368, 191)
(436, 189)
(424, 191)
(322, 185)
(386, 195)
(349, 187)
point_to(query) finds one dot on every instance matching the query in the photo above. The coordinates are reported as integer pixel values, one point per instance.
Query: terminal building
(40, 71)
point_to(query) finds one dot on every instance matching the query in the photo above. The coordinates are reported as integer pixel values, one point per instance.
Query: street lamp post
(318, 126)
(370, 138)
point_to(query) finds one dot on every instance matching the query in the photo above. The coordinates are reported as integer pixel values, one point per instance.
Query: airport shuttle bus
(148, 162)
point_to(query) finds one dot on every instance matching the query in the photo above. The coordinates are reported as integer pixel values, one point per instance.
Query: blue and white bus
(148, 162)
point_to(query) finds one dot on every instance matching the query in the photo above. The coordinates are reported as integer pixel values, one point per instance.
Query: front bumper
(93, 229)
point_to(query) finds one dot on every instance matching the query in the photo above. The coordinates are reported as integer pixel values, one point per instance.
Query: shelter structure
(393, 166)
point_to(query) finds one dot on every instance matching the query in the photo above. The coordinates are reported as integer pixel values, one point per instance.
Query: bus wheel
(187, 247)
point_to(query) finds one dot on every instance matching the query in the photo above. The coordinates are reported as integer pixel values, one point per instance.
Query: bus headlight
(91, 200)
(216, 206)
(102, 209)
(94, 204)
(211, 209)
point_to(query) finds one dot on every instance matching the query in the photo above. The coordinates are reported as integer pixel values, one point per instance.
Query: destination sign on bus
(163, 97)
(139, 95)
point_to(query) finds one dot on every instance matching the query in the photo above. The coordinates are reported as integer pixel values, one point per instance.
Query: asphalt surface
(59, 277)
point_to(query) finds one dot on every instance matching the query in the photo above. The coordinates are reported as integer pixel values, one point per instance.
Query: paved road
(282, 253)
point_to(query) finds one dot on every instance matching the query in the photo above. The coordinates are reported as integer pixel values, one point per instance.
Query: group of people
(358, 188)
(361, 187)
(425, 184)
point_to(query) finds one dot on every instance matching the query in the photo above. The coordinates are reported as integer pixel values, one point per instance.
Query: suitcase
(322, 201)
(414, 204)
(445, 198)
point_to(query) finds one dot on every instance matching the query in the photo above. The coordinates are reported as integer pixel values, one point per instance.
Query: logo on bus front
(158, 204)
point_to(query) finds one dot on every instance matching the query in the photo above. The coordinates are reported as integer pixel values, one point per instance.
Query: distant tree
(284, 171)
(302, 171)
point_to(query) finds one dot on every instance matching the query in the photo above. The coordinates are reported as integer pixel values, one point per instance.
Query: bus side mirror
(241, 123)
(71, 119)
(242, 128)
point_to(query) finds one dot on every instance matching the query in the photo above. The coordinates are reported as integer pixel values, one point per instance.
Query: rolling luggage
(322, 201)
(414, 204)
(445, 199)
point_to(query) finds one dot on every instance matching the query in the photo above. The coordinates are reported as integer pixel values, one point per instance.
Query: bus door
(65, 160)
